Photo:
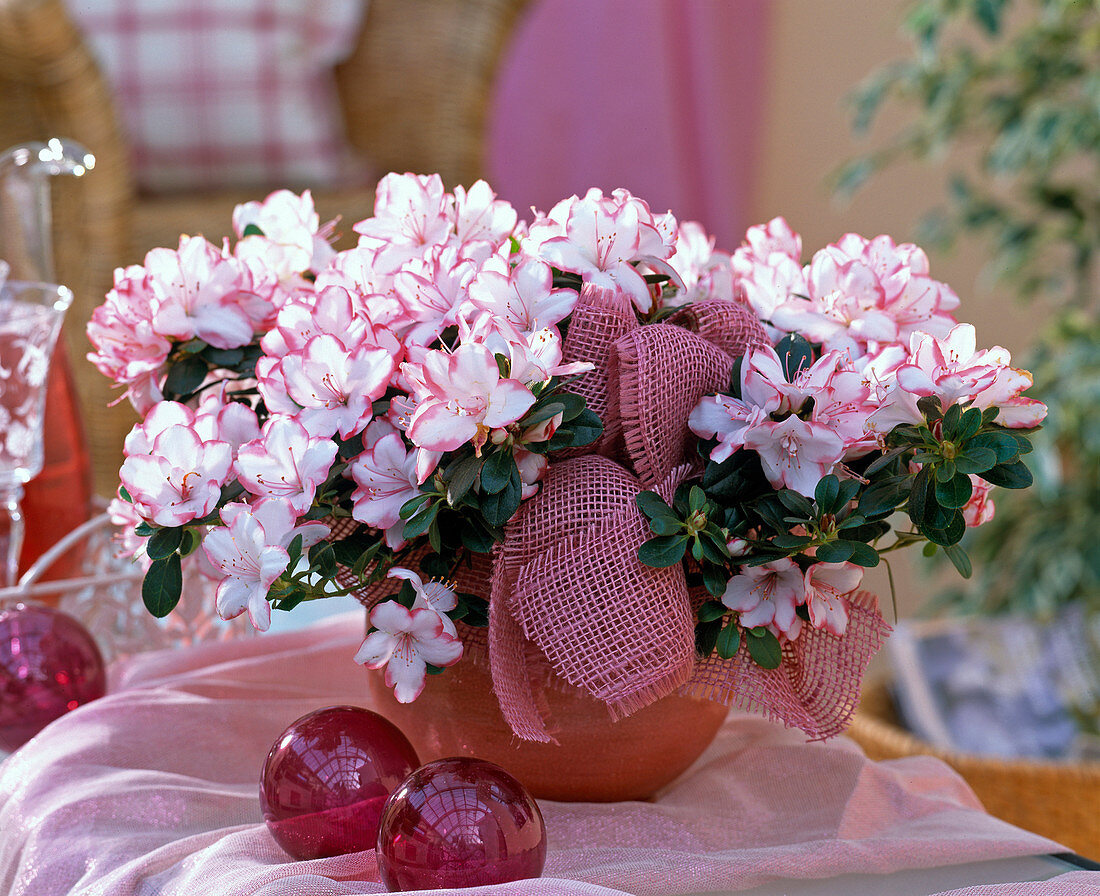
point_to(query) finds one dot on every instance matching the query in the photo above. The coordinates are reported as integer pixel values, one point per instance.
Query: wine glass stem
(11, 533)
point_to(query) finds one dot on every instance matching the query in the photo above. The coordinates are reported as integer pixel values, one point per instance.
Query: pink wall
(663, 97)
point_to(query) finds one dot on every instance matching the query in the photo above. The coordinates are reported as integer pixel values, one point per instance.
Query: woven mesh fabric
(662, 372)
(817, 685)
(569, 578)
(570, 603)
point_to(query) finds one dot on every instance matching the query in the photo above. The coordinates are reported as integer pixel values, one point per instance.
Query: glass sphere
(327, 778)
(460, 823)
(49, 665)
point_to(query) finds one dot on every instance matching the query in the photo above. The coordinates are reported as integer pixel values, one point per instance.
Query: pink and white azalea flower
(285, 462)
(179, 478)
(481, 217)
(523, 296)
(827, 588)
(404, 642)
(795, 454)
(433, 594)
(767, 595)
(335, 386)
(411, 212)
(601, 238)
(385, 476)
(465, 397)
(199, 294)
(250, 554)
(292, 240)
(980, 508)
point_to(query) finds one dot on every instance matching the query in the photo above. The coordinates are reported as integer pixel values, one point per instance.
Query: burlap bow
(567, 581)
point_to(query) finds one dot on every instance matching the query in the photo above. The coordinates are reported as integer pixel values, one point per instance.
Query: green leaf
(498, 508)
(322, 557)
(475, 537)
(586, 428)
(1004, 446)
(959, 559)
(706, 637)
(697, 498)
(294, 550)
(189, 542)
(714, 579)
(795, 354)
(788, 542)
(930, 407)
(460, 478)
(835, 552)
(764, 649)
(542, 412)
(955, 492)
(951, 421)
(796, 503)
(714, 549)
(665, 525)
(185, 376)
(663, 551)
(951, 532)
(827, 493)
(1015, 475)
(413, 505)
(885, 460)
(729, 640)
(419, 522)
(945, 471)
(737, 478)
(864, 555)
(144, 529)
(654, 506)
(969, 425)
(497, 470)
(125, 495)
(164, 543)
(975, 459)
(922, 499)
(711, 610)
(163, 586)
(252, 230)
(223, 357)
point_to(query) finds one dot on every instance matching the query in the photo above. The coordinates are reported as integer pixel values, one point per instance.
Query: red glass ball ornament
(460, 823)
(49, 665)
(327, 778)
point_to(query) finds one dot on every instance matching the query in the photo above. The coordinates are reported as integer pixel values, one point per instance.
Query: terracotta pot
(595, 759)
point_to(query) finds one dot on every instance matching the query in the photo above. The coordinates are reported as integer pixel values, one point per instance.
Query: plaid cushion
(219, 93)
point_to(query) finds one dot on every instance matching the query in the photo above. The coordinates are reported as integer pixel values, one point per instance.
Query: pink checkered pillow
(220, 93)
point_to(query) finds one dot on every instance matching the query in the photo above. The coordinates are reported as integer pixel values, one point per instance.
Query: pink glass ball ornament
(49, 665)
(460, 823)
(327, 778)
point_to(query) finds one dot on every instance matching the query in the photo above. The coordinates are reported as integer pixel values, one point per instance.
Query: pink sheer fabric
(153, 789)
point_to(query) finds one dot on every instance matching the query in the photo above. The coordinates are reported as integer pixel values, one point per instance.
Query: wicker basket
(1059, 800)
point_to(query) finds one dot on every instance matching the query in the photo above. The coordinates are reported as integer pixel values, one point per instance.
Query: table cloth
(153, 789)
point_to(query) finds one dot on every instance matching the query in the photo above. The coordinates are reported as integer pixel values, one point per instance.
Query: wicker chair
(415, 97)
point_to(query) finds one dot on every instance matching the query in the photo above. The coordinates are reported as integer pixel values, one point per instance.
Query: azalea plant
(319, 422)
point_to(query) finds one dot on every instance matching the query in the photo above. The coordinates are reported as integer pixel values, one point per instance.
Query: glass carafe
(59, 497)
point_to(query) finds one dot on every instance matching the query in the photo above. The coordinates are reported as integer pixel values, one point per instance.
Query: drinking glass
(31, 315)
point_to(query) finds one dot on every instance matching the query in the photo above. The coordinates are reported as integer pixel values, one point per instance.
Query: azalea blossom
(523, 296)
(767, 595)
(285, 462)
(410, 212)
(601, 238)
(795, 453)
(179, 478)
(404, 642)
(980, 508)
(465, 397)
(250, 554)
(386, 478)
(827, 587)
(199, 294)
(434, 595)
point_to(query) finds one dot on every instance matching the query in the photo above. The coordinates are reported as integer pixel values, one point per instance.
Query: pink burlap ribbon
(567, 580)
